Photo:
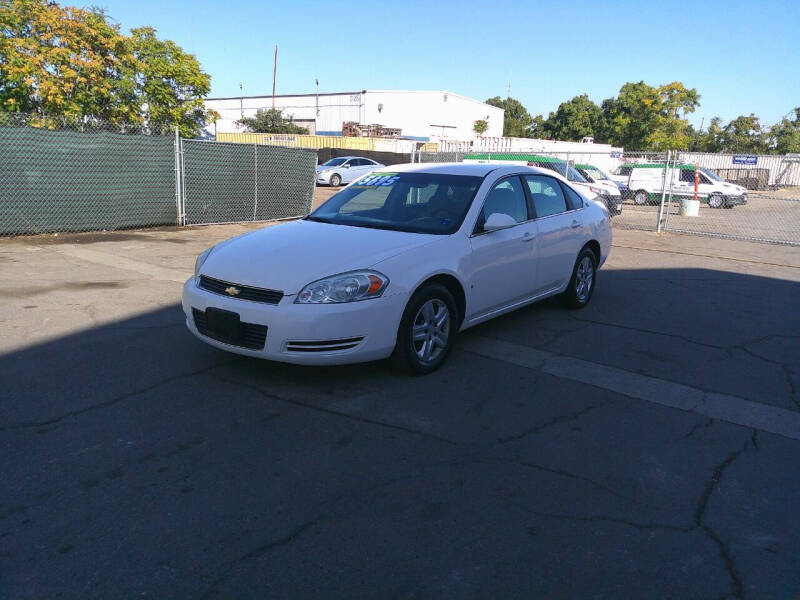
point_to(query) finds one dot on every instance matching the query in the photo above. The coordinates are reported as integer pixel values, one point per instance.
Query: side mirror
(345, 166)
(498, 221)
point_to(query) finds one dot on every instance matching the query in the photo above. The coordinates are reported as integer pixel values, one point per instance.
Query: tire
(336, 180)
(579, 291)
(432, 312)
(716, 201)
(641, 198)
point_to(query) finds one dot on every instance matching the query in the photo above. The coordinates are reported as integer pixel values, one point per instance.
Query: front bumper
(614, 204)
(323, 178)
(736, 200)
(375, 321)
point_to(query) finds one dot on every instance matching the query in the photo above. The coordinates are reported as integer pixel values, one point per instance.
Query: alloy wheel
(431, 330)
(584, 279)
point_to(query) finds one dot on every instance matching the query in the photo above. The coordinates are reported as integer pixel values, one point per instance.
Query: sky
(742, 57)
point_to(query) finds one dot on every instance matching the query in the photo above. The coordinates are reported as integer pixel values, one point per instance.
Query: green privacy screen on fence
(75, 181)
(66, 180)
(226, 182)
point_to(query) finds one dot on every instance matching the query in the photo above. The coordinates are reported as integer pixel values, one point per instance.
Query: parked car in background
(344, 169)
(605, 192)
(646, 183)
(397, 263)
(599, 179)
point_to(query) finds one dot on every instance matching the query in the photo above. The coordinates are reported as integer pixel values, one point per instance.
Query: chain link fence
(88, 176)
(754, 198)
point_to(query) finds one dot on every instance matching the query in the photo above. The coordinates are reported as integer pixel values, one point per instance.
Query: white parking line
(724, 407)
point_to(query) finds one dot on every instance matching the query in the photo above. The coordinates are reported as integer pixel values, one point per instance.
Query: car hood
(289, 256)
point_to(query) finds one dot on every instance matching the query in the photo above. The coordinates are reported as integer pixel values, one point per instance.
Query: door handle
(575, 224)
(528, 237)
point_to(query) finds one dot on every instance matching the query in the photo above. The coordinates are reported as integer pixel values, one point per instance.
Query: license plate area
(224, 325)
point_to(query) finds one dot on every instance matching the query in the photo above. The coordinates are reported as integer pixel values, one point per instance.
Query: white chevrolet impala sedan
(397, 263)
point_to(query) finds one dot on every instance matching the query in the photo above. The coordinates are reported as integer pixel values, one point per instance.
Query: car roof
(474, 169)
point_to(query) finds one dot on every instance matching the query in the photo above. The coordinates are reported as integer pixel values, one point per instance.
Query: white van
(645, 182)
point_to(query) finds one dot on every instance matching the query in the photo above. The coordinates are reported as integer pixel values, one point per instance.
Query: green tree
(709, 140)
(517, 121)
(65, 64)
(480, 126)
(632, 115)
(575, 119)
(784, 137)
(168, 82)
(271, 121)
(671, 128)
(744, 135)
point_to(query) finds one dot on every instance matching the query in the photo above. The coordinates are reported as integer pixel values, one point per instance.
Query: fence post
(255, 181)
(663, 193)
(183, 185)
(671, 181)
(178, 219)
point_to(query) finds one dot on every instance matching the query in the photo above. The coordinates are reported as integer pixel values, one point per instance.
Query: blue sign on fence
(745, 159)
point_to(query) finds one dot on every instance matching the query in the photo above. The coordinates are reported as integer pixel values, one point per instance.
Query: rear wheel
(426, 331)
(715, 201)
(336, 180)
(641, 198)
(581, 285)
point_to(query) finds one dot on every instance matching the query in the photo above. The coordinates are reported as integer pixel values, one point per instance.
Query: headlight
(347, 287)
(598, 191)
(198, 264)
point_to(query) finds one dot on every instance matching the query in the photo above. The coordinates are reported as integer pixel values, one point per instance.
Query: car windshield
(595, 173)
(334, 162)
(570, 172)
(413, 202)
(711, 174)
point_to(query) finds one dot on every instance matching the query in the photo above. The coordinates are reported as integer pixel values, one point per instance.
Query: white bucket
(690, 208)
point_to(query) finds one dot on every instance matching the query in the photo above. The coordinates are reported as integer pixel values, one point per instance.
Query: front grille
(323, 345)
(245, 292)
(253, 336)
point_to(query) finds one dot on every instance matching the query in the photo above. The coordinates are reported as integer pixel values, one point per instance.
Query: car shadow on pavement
(137, 460)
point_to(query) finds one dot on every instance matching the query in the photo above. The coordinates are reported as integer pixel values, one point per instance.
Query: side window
(547, 195)
(574, 199)
(506, 197)
(703, 178)
(356, 162)
(687, 175)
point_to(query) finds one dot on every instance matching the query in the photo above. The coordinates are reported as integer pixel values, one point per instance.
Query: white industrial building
(420, 115)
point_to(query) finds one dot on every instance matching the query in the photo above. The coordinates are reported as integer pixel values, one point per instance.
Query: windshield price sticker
(378, 180)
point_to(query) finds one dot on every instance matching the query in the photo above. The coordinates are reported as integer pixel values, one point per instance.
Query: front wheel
(336, 180)
(581, 285)
(426, 331)
(715, 201)
(641, 198)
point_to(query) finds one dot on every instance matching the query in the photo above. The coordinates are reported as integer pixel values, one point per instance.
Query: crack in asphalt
(115, 400)
(257, 552)
(554, 421)
(705, 425)
(619, 521)
(700, 511)
(337, 413)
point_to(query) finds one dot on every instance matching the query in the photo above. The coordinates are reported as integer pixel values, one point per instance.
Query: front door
(504, 266)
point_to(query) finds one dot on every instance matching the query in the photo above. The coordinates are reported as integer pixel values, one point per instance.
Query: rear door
(559, 213)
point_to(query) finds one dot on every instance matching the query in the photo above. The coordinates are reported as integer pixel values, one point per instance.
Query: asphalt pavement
(647, 446)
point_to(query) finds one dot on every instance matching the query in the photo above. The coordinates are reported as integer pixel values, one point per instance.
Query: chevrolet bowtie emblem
(232, 291)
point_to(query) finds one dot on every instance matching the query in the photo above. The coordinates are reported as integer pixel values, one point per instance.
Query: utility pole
(241, 102)
(317, 82)
(274, 75)
(509, 83)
